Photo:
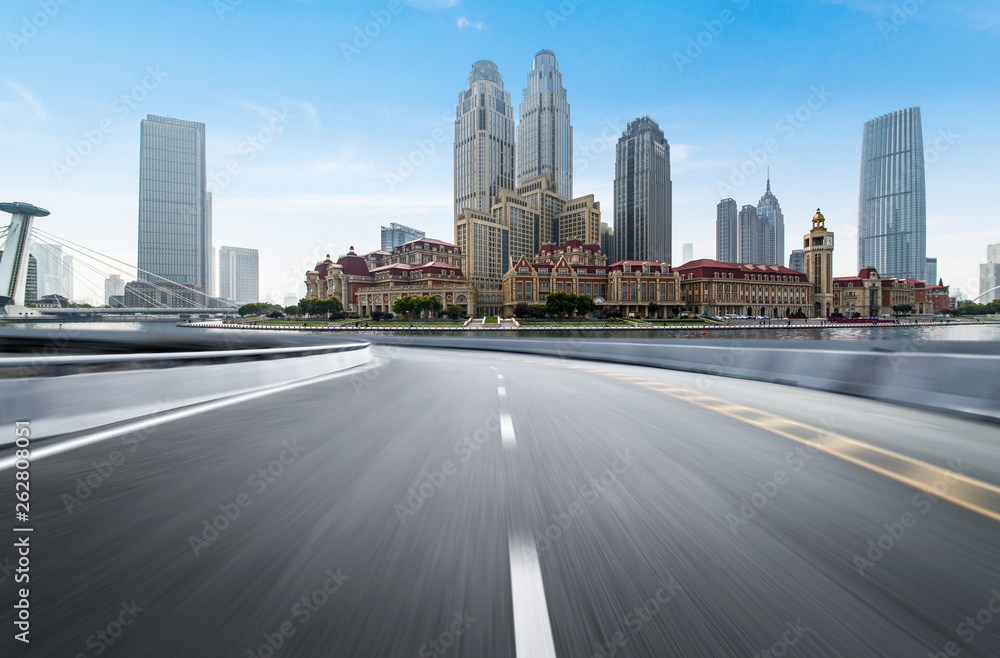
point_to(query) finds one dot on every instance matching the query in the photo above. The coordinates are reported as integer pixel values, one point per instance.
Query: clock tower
(818, 247)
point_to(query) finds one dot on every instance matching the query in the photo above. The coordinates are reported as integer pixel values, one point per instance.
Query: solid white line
(507, 438)
(167, 417)
(532, 629)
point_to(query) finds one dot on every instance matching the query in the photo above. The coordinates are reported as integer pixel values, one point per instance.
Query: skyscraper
(751, 231)
(544, 133)
(51, 273)
(687, 252)
(397, 234)
(725, 232)
(114, 286)
(892, 206)
(175, 221)
(930, 271)
(989, 275)
(642, 193)
(769, 210)
(797, 260)
(238, 275)
(484, 140)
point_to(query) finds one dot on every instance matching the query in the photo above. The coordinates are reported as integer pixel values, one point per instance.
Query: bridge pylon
(14, 264)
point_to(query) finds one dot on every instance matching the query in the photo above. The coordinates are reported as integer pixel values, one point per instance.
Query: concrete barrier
(75, 392)
(958, 377)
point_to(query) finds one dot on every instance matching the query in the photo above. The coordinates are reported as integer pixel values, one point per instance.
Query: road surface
(452, 503)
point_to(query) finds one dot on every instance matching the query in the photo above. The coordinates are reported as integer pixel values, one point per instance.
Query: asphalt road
(476, 504)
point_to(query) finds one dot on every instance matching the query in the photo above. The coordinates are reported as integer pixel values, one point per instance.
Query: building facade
(239, 275)
(485, 240)
(397, 234)
(989, 275)
(175, 223)
(751, 236)
(114, 286)
(607, 241)
(769, 211)
(726, 231)
(163, 294)
(625, 287)
(419, 267)
(892, 205)
(643, 194)
(930, 270)
(817, 248)
(797, 260)
(484, 140)
(544, 133)
(709, 287)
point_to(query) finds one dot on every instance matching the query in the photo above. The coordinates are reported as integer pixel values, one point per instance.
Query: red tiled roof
(429, 241)
(353, 264)
(707, 267)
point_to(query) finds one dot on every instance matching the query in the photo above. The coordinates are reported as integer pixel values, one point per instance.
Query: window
(563, 270)
(522, 270)
(663, 291)
(627, 267)
(543, 270)
(600, 271)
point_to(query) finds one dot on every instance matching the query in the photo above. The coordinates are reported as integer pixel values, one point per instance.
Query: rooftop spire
(768, 180)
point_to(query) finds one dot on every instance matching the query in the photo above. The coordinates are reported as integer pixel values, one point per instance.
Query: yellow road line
(976, 495)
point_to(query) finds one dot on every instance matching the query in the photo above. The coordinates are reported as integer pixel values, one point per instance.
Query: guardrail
(66, 393)
(958, 377)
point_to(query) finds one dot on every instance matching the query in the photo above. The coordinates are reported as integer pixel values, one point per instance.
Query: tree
(522, 310)
(560, 302)
(275, 315)
(902, 309)
(584, 304)
(454, 311)
(330, 305)
(257, 308)
(307, 305)
(653, 309)
(404, 306)
(292, 310)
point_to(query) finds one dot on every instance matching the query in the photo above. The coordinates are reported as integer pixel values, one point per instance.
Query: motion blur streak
(625, 493)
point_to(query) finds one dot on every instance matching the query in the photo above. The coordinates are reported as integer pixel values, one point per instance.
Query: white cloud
(463, 23)
(431, 5)
(27, 107)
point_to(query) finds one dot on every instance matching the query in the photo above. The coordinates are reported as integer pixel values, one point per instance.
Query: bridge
(19, 235)
(208, 495)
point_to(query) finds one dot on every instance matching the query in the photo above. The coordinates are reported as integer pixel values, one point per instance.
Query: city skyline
(323, 172)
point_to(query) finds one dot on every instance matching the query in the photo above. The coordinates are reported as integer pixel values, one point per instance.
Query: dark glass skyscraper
(175, 214)
(892, 204)
(643, 193)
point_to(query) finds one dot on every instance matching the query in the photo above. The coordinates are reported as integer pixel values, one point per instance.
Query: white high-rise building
(769, 210)
(239, 275)
(544, 133)
(643, 193)
(114, 286)
(892, 203)
(989, 275)
(484, 140)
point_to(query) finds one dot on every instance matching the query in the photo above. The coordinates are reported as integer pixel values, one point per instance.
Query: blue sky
(720, 77)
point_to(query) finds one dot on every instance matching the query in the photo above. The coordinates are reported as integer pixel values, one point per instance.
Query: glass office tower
(643, 193)
(175, 221)
(892, 204)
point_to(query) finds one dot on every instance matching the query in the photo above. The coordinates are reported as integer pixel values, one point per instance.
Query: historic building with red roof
(709, 287)
(374, 281)
(628, 287)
